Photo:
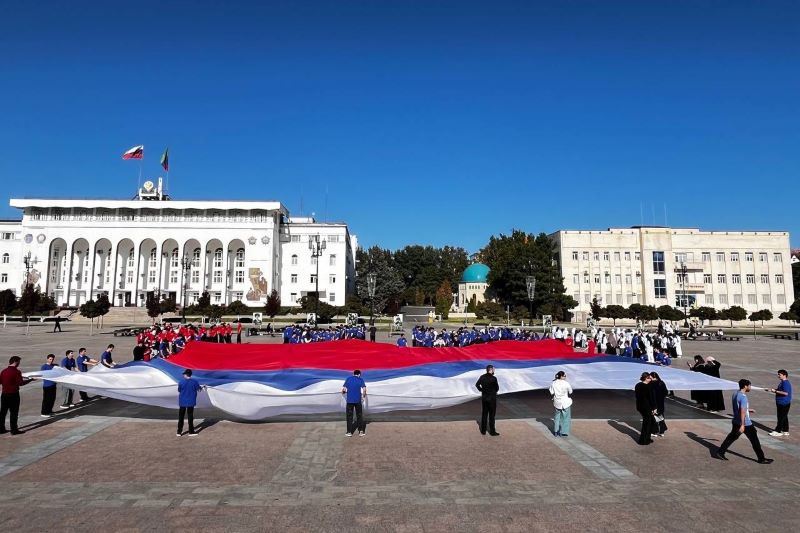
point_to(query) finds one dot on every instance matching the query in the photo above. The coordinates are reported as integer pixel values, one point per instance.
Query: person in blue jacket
(783, 401)
(187, 399)
(48, 389)
(68, 363)
(401, 341)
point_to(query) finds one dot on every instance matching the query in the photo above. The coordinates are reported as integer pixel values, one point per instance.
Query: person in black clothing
(57, 327)
(660, 392)
(714, 398)
(698, 365)
(372, 331)
(646, 408)
(488, 386)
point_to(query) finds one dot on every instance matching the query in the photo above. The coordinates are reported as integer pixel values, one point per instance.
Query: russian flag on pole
(257, 381)
(137, 152)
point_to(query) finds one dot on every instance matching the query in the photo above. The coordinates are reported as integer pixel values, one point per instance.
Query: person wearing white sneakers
(187, 400)
(355, 391)
(783, 401)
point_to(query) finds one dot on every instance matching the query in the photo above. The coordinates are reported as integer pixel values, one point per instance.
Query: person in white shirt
(560, 390)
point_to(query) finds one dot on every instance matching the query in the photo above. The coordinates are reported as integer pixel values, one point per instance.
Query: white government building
(671, 266)
(76, 249)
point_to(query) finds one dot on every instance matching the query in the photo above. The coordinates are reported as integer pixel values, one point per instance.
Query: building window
(777, 258)
(238, 276)
(706, 278)
(313, 278)
(217, 277)
(723, 299)
(585, 256)
(616, 256)
(709, 299)
(720, 278)
(748, 257)
(750, 278)
(129, 279)
(751, 299)
(151, 276)
(174, 259)
(293, 278)
(333, 238)
(627, 256)
(576, 296)
(618, 279)
(217, 297)
(3, 278)
(629, 298)
(637, 256)
(680, 258)
(574, 256)
(195, 276)
(607, 278)
(706, 256)
(295, 238)
(575, 279)
(720, 257)
(737, 299)
(153, 256)
(293, 298)
(658, 263)
(218, 258)
(8, 236)
(680, 278)
(606, 256)
(627, 279)
(6, 259)
(765, 279)
(781, 299)
(596, 256)
(294, 259)
(734, 257)
(239, 259)
(333, 260)
(586, 277)
(597, 278)
(332, 297)
(779, 279)
(619, 298)
(313, 259)
(332, 279)
(196, 258)
(173, 276)
(587, 298)
(736, 279)
(660, 286)
(765, 299)
(762, 256)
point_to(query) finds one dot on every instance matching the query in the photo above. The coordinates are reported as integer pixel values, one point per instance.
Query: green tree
(153, 306)
(766, 314)
(636, 311)
(273, 305)
(649, 313)
(615, 312)
(491, 310)
(788, 315)
(796, 281)
(325, 311)
(704, 313)
(389, 282)
(735, 314)
(667, 312)
(8, 301)
(472, 304)
(444, 298)
(596, 309)
(27, 302)
(204, 301)
(238, 308)
(215, 311)
(167, 305)
(90, 310)
(795, 307)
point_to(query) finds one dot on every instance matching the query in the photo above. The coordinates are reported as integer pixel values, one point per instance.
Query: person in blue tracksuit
(187, 400)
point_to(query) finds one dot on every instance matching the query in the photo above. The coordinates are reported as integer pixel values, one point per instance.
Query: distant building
(473, 284)
(678, 267)
(130, 250)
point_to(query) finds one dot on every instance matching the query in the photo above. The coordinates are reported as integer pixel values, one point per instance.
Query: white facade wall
(723, 268)
(12, 270)
(130, 250)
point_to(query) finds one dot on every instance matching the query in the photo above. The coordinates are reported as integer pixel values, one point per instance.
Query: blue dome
(475, 273)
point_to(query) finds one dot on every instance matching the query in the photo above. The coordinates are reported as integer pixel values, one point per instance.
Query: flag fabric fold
(137, 152)
(165, 160)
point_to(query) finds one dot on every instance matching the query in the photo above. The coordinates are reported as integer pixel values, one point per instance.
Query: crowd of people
(303, 334)
(428, 337)
(166, 340)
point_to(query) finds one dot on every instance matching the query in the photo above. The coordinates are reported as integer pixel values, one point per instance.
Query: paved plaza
(109, 465)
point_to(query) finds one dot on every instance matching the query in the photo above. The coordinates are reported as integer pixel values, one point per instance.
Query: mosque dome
(475, 273)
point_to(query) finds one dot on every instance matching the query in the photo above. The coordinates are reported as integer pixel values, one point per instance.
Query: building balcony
(691, 266)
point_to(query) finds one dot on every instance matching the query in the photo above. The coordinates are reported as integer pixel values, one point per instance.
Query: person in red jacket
(11, 379)
(592, 347)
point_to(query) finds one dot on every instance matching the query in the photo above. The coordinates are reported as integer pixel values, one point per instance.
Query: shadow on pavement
(709, 444)
(624, 429)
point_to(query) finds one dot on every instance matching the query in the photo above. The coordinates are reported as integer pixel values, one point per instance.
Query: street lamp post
(28, 265)
(186, 266)
(316, 246)
(372, 279)
(530, 284)
(685, 299)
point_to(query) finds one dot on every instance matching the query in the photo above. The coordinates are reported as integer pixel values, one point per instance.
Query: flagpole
(139, 186)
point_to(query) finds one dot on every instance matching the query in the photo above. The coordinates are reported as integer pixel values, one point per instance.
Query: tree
(596, 309)
(649, 312)
(167, 305)
(325, 311)
(636, 311)
(215, 311)
(389, 283)
(8, 301)
(788, 315)
(273, 305)
(614, 312)
(238, 308)
(511, 258)
(796, 281)
(153, 307)
(444, 298)
(28, 300)
(667, 312)
(762, 315)
(90, 310)
(472, 304)
(704, 313)
(795, 307)
(204, 301)
(735, 313)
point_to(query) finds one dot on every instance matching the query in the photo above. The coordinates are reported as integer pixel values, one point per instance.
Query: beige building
(678, 267)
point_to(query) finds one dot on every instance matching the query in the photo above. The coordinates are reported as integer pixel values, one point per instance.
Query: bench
(730, 338)
(787, 337)
(126, 332)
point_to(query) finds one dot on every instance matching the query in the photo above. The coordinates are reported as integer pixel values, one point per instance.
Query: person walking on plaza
(742, 424)
(560, 389)
(239, 332)
(783, 401)
(83, 363)
(646, 407)
(48, 388)
(489, 388)
(57, 326)
(187, 400)
(714, 398)
(11, 380)
(660, 393)
(69, 364)
(355, 391)
(372, 331)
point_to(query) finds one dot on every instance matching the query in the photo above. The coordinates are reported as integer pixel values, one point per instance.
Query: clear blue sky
(426, 122)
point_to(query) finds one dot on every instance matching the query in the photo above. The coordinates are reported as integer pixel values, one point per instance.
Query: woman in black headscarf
(714, 398)
(660, 392)
(700, 396)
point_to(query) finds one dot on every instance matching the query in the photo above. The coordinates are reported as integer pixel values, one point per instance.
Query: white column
(228, 278)
(136, 277)
(68, 285)
(112, 264)
(92, 269)
(160, 267)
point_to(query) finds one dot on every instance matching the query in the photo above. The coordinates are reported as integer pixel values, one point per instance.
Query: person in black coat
(714, 398)
(700, 396)
(646, 408)
(488, 386)
(660, 392)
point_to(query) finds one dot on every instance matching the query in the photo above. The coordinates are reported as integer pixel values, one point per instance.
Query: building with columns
(680, 267)
(155, 247)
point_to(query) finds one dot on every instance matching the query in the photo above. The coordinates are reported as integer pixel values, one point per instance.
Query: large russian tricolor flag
(259, 381)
